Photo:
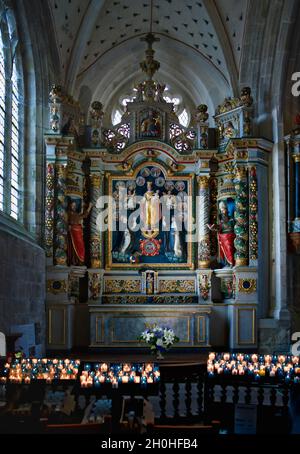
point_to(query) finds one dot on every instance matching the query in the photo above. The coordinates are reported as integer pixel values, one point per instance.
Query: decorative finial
(149, 65)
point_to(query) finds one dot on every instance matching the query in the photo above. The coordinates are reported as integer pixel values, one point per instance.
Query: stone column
(49, 210)
(241, 241)
(253, 223)
(203, 214)
(61, 226)
(95, 239)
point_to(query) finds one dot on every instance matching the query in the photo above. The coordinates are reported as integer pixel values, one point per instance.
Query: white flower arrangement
(160, 338)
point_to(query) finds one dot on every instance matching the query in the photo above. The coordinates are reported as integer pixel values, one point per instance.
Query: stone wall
(22, 284)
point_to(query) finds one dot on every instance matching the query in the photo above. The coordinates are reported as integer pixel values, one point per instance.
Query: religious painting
(150, 215)
(150, 125)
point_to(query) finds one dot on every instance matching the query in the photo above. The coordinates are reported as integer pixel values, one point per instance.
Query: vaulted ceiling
(200, 46)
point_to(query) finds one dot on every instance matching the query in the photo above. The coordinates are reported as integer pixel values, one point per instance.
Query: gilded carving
(201, 114)
(232, 103)
(94, 285)
(122, 286)
(174, 299)
(203, 182)
(213, 194)
(95, 238)
(172, 286)
(247, 285)
(49, 215)
(241, 241)
(124, 299)
(56, 286)
(253, 213)
(60, 243)
(204, 286)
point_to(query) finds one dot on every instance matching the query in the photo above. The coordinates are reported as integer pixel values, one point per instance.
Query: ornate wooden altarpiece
(208, 284)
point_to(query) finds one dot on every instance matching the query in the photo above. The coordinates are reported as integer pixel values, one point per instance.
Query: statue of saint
(176, 243)
(150, 209)
(130, 202)
(226, 234)
(166, 235)
(150, 284)
(76, 247)
(127, 243)
(170, 200)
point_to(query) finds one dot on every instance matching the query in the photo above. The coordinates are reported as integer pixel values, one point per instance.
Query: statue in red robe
(225, 234)
(76, 247)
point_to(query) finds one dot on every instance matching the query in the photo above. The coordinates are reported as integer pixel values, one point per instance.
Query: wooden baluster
(261, 395)
(206, 397)
(273, 396)
(200, 394)
(163, 400)
(223, 393)
(188, 397)
(248, 394)
(176, 398)
(285, 399)
(212, 392)
(209, 391)
(286, 395)
(235, 397)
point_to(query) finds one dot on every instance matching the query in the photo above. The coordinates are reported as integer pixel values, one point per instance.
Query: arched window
(117, 117)
(15, 147)
(2, 123)
(10, 120)
(183, 118)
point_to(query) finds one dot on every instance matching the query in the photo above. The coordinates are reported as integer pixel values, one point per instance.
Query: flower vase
(159, 355)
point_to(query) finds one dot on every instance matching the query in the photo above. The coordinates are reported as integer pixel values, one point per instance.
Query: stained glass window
(10, 122)
(15, 147)
(2, 123)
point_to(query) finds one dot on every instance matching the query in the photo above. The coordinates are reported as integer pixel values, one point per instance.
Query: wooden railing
(186, 395)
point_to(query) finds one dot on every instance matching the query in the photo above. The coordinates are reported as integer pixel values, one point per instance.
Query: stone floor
(119, 355)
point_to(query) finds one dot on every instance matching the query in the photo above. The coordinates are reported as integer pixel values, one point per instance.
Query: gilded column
(241, 241)
(204, 238)
(49, 210)
(213, 217)
(253, 209)
(60, 237)
(95, 239)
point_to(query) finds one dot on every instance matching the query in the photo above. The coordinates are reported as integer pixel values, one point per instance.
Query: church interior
(149, 216)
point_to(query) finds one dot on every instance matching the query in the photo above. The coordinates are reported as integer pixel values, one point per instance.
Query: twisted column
(204, 238)
(253, 207)
(49, 210)
(241, 241)
(213, 197)
(95, 239)
(60, 235)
